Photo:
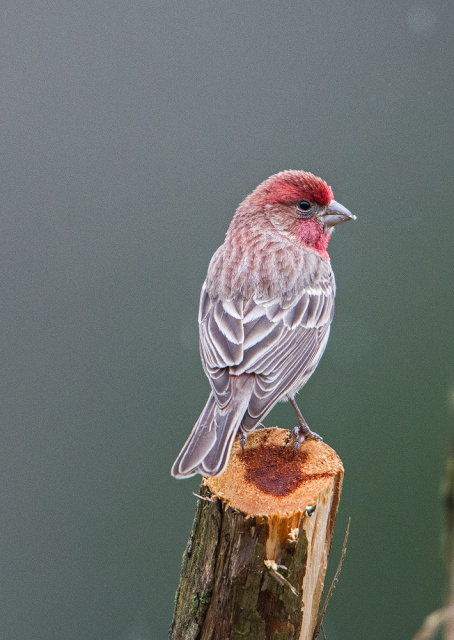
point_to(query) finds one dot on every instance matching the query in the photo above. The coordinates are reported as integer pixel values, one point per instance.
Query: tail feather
(208, 447)
(199, 443)
(227, 427)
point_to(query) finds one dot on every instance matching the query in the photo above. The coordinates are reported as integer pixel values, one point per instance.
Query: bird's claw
(301, 435)
(242, 437)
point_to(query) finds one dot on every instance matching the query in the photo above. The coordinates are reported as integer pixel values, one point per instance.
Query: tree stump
(255, 564)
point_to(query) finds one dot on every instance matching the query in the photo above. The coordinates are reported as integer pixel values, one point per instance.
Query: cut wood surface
(256, 560)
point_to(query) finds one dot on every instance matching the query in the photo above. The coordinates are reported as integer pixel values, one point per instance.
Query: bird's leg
(302, 432)
(242, 437)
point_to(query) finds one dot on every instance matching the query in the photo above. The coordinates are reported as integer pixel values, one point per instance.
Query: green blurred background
(130, 133)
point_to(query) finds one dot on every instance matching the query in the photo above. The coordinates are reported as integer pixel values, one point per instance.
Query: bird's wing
(280, 340)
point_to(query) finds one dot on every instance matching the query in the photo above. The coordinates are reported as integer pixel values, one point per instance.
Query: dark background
(130, 131)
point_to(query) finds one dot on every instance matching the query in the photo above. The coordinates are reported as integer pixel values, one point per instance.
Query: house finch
(265, 313)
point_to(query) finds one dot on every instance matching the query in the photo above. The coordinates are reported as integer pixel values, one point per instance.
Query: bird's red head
(291, 202)
(289, 187)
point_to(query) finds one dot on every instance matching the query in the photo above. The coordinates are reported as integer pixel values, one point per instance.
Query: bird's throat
(313, 235)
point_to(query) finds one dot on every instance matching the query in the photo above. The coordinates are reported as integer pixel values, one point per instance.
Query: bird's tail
(208, 448)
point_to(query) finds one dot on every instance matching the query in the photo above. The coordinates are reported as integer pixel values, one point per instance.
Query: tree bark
(255, 564)
(448, 493)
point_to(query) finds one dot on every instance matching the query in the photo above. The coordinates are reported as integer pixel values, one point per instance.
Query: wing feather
(234, 307)
(227, 353)
(257, 331)
(279, 339)
(268, 390)
(205, 304)
(295, 314)
(252, 311)
(230, 325)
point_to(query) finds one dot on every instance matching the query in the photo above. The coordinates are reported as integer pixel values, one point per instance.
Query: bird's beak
(334, 214)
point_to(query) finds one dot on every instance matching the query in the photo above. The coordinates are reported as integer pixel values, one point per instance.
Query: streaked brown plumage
(265, 313)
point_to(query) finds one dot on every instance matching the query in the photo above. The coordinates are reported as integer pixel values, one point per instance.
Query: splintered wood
(256, 560)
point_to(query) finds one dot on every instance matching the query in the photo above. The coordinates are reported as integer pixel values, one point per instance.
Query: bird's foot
(303, 433)
(242, 437)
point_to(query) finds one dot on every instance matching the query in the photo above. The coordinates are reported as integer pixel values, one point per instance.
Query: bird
(265, 312)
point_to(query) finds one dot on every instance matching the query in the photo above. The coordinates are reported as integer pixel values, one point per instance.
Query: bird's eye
(304, 205)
